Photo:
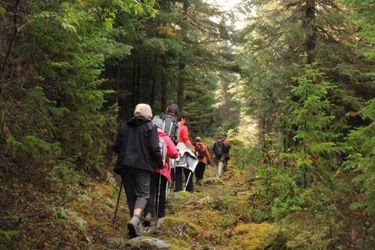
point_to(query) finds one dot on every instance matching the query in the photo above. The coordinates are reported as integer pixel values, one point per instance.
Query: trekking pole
(209, 167)
(157, 205)
(174, 186)
(118, 200)
(187, 181)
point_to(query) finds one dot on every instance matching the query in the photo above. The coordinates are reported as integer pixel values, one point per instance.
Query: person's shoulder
(150, 126)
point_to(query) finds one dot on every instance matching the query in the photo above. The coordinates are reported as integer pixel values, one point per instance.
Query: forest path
(215, 216)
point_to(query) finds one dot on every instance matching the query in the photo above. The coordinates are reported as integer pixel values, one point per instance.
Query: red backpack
(200, 149)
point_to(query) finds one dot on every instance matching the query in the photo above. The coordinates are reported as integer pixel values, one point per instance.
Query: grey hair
(144, 110)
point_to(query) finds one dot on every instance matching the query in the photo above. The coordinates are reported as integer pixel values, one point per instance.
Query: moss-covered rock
(149, 243)
(177, 226)
(255, 236)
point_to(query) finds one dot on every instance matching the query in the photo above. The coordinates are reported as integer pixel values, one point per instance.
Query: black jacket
(137, 145)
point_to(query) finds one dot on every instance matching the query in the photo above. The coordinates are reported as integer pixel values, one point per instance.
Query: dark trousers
(225, 161)
(154, 189)
(137, 187)
(199, 170)
(178, 180)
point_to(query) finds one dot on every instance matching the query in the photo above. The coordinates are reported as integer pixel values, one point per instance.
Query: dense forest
(293, 90)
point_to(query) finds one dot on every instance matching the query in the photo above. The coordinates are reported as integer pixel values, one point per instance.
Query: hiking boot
(135, 228)
(147, 221)
(200, 183)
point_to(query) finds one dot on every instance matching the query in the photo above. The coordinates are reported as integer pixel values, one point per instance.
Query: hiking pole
(209, 167)
(118, 200)
(187, 181)
(157, 205)
(174, 186)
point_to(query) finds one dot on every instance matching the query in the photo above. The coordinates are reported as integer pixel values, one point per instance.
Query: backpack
(163, 148)
(170, 126)
(201, 151)
(226, 147)
(218, 149)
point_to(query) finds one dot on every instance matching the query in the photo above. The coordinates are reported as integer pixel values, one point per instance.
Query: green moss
(255, 236)
(179, 226)
(184, 194)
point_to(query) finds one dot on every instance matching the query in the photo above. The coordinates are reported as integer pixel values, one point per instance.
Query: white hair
(144, 110)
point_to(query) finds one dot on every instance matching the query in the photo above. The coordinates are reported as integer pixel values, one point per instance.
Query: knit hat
(157, 121)
(198, 139)
(143, 110)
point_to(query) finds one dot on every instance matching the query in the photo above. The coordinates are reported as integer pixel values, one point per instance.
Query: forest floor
(80, 216)
(214, 216)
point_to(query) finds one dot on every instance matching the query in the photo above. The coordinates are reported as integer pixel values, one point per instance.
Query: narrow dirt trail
(215, 216)
(210, 213)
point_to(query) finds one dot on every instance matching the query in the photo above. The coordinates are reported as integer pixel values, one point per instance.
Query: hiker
(137, 147)
(188, 159)
(218, 149)
(203, 157)
(171, 128)
(160, 180)
(226, 154)
(169, 122)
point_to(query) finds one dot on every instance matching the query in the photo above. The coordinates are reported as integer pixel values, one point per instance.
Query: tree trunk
(152, 81)
(181, 86)
(134, 84)
(163, 95)
(138, 87)
(163, 87)
(310, 30)
(262, 126)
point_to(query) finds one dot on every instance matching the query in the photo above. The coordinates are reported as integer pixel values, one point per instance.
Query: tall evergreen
(302, 68)
(54, 129)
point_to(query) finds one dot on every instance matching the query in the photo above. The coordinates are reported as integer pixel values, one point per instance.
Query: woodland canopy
(293, 91)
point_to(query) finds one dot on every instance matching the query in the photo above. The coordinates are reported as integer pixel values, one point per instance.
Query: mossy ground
(214, 216)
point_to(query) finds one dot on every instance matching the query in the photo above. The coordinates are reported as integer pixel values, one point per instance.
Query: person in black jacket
(137, 147)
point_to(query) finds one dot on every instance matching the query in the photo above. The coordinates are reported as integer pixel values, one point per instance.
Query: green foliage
(309, 108)
(279, 194)
(199, 107)
(314, 131)
(55, 126)
(243, 155)
(361, 144)
(6, 236)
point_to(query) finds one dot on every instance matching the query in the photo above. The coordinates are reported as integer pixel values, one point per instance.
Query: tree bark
(138, 81)
(181, 85)
(15, 20)
(311, 31)
(134, 83)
